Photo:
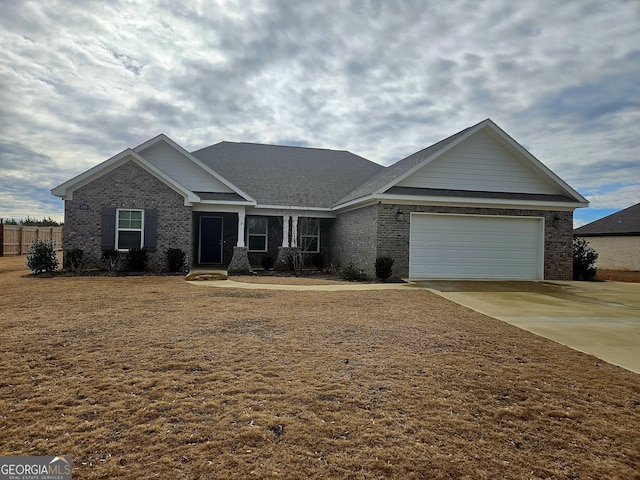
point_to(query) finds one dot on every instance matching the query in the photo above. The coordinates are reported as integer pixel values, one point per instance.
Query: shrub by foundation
(42, 257)
(73, 259)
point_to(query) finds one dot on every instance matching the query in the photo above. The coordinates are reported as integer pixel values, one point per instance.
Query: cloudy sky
(83, 80)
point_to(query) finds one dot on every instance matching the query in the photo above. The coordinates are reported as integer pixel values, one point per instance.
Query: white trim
(294, 230)
(294, 207)
(274, 212)
(285, 230)
(317, 236)
(488, 123)
(265, 235)
(118, 229)
(181, 150)
(507, 203)
(66, 189)
(217, 208)
(241, 220)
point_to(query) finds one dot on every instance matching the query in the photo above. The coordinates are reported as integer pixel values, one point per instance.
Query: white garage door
(475, 246)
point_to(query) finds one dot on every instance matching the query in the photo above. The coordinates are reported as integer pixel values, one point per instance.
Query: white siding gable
(182, 170)
(482, 162)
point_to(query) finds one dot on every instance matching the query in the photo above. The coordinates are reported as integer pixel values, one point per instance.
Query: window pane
(129, 240)
(309, 226)
(257, 225)
(310, 244)
(136, 224)
(258, 243)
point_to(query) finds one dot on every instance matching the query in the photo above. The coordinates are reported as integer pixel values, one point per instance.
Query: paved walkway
(301, 288)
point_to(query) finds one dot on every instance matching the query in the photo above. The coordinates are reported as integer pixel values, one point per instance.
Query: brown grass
(151, 377)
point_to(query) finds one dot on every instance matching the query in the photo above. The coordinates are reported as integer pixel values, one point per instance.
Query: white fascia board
(245, 203)
(224, 208)
(357, 202)
(479, 202)
(293, 207)
(507, 138)
(278, 211)
(431, 158)
(459, 202)
(162, 137)
(541, 166)
(65, 190)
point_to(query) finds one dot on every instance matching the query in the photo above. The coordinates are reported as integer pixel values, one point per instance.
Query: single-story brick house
(474, 205)
(615, 238)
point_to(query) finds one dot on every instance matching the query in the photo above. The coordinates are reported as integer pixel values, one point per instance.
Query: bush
(42, 257)
(267, 262)
(175, 259)
(318, 261)
(73, 259)
(351, 273)
(584, 259)
(294, 261)
(110, 259)
(384, 267)
(136, 259)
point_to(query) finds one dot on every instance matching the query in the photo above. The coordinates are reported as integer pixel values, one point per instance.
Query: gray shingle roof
(280, 175)
(624, 222)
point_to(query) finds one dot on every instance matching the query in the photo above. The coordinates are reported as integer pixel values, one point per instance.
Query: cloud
(380, 79)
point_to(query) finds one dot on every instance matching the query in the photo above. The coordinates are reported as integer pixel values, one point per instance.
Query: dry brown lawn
(151, 377)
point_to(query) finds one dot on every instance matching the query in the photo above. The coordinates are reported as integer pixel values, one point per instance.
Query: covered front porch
(239, 240)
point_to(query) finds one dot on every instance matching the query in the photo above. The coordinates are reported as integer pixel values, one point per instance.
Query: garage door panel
(475, 246)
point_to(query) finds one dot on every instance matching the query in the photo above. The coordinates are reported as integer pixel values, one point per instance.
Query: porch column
(294, 231)
(241, 215)
(285, 230)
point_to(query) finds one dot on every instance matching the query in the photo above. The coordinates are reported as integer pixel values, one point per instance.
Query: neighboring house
(615, 238)
(474, 205)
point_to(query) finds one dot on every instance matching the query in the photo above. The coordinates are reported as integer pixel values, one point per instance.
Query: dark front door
(210, 240)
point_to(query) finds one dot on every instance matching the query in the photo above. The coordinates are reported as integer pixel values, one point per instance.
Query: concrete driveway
(598, 318)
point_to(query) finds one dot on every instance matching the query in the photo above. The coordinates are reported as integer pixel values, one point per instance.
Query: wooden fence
(16, 239)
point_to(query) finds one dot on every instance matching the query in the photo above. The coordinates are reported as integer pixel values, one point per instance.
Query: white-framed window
(257, 228)
(309, 233)
(129, 229)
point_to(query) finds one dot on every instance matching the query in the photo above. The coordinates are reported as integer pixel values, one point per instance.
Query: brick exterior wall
(364, 234)
(127, 186)
(354, 238)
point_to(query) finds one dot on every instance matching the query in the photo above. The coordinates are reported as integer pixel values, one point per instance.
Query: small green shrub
(73, 259)
(584, 259)
(110, 259)
(42, 257)
(136, 259)
(318, 261)
(351, 273)
(175, 259)
(384, 267)
(267, 262)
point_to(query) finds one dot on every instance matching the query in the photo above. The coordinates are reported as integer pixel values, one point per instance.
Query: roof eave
(506, 137)
(460, 202)
(65, 190)
(181, 150)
